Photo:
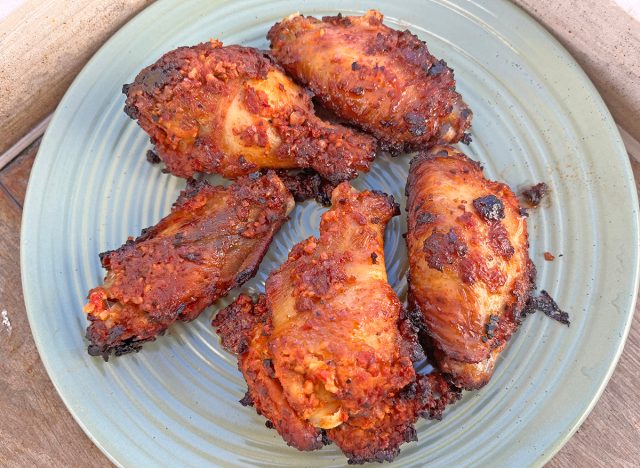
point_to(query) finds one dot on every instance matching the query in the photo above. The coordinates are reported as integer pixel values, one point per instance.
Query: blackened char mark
(192, 188)
(247, 400)
(395, 207)
(234, 323)
(246, 275)
(158, 76)
(491, 326)
(132, 345)
(441, 249)
(437, 68)
(131, 111)
(193, 257)
(443, 392)
(545, 304)
(153, 79)
(268, 365)
(425, 218)
(410, 342)
(489, 207)
(307, 184)
(379, 457)
(416, 122)
(153, 157)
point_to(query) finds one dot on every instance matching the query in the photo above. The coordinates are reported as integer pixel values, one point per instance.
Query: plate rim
(37, 191)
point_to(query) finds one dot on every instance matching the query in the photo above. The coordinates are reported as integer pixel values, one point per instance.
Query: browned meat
(232, 111)
(381, 79)
(212, 241)
(470, 272)
(327, 352)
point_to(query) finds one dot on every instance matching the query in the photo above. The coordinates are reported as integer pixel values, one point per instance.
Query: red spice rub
(212, 241)
(232, 111)
(469, 263)
(330, 355)
(381, 79)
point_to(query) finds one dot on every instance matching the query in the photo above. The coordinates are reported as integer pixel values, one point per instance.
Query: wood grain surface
(605, 41)
(37, 429)
(43, 46)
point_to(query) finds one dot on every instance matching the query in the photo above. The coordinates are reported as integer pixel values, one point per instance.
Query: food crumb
(534, 194)
(549, 257)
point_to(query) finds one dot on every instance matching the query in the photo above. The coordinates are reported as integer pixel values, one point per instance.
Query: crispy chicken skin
(470, 272)
(381, 79)
(327, 352)
(231, 111)
(212, 241)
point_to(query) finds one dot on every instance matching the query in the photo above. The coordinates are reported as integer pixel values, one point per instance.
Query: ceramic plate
(537, 118)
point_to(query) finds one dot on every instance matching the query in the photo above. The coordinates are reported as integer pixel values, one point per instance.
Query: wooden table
(35, 427)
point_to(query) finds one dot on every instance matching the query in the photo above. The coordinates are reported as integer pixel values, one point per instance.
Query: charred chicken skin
(381, 79)
(470, 272)
(212, 241)
(231, 111)
(327, 352)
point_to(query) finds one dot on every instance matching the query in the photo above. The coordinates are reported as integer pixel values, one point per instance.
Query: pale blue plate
(537, 118)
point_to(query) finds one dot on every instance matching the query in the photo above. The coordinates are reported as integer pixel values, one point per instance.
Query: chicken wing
(212, 241)
(470, 272)
(381, 79)
(231, 111)
(327, 352)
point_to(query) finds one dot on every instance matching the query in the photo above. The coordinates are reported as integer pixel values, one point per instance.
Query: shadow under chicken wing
(212, 241)
(470, 272)
(231, 111)
(381, 79)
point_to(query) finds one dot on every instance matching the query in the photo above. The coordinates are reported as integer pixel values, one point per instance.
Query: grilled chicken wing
(212, 241)
(381, 79)
(326, 352)
(470, 272)
(231, 111)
